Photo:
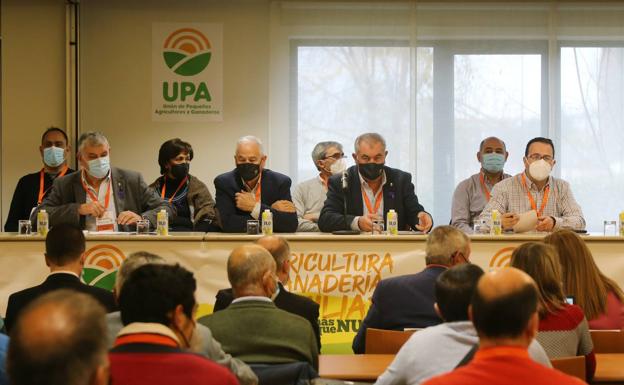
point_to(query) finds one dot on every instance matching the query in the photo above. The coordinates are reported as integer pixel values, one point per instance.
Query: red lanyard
(378, 200)
(533, 204)
(164, 187)
(485, 189)
(93, 197)
(43, 193)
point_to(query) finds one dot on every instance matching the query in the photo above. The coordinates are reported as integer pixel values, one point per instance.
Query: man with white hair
(248, 190)
(101, 197)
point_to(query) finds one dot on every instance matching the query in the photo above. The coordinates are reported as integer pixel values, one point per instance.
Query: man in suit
(290, 302)
(407, 301)
(101, 197)
(252, 328)
(64, 255)
(248, 190)
(371, 189)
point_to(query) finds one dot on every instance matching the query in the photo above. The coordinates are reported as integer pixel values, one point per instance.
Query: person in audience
(247, 191)
(563, 329)
(407, 301)
(472, 194)
(290, 302)
(535, 189)
(210, 348)
(158, 307)
(101, 197)
(32, 188)
(60, 339)
(65, 257)
(193, 206)
(4, 346)
(371, 189)
(439, 349)
(601, 299)
(252, 328)
(504, 313)
(309, 196)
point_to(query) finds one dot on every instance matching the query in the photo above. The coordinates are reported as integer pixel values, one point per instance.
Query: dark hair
(53, 129)
(505, 316)
(65, 243)
(153, 291)
(453, 291)
(539, 139)
(170, 149)
(69, 354)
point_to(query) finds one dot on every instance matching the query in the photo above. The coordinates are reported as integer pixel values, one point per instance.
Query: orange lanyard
(378, 200)
(533, 204)
(485, 189)
(164, 187)
(259, 189)
(43, 193)
(325, 182)
(93, 197)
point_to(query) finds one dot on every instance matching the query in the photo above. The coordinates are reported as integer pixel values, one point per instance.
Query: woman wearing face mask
(309, 196)
(192, 203)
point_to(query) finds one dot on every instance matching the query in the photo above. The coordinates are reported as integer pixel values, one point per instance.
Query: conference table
(367, 367)
(338, 272)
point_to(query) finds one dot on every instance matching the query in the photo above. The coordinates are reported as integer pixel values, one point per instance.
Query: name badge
(105, 223)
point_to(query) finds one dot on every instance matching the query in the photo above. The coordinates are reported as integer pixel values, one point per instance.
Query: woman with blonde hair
(600, 297)
(563, 329)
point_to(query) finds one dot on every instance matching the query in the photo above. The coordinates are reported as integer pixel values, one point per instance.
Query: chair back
(608, 341)
(380, 341)
(572, 366)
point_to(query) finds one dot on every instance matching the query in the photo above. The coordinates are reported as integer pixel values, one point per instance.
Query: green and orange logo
(187, 51)
(502, 257)
(101, 264)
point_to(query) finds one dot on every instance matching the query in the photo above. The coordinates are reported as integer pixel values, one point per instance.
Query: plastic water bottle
(497, 228)
(162, 223)
(43, 223)
(267, 222)
(392, 223)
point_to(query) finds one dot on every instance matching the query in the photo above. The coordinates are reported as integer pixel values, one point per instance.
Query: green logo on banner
(101, 264)
(187, 52)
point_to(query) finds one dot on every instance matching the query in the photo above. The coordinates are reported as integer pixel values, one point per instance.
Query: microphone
(345, 188)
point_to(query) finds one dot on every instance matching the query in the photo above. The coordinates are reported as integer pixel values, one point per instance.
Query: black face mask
(248, 171)
(180, 171)
(370, 171)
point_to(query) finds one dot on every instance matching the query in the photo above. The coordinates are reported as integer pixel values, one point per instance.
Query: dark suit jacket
(285, 300)
(131, 194)
(401, 302)
(19, 300)
(398, 194)
(275, 187)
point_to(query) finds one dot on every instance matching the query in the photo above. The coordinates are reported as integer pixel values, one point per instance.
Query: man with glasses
(535, 189)
(309, 196)
(245, 192)
(369, 190)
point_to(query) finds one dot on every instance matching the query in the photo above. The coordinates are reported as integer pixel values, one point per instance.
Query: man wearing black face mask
(194, 208)
(248, 190)
(372, 189)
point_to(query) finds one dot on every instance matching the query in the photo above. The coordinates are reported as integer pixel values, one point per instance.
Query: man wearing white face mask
(472, 194)
(33, 188)
(535, 189)
(309, 196)
(101, 197)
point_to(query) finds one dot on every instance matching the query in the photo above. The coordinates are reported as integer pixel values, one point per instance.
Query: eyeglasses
(336, 156)
(547, 158)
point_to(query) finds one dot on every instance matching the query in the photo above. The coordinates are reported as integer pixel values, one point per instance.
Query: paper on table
(527, 222)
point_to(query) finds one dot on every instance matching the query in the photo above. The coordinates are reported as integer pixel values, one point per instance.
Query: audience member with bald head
(248, 190)
(504, 311)
(59, 339)
(285, 300)
(407, 301)
(277, 336)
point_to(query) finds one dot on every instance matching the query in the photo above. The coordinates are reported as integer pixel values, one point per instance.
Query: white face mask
(338, 166)
(540, 170)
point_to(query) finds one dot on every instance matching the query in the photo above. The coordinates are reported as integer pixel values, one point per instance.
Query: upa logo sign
(101, 264)
(187, 72)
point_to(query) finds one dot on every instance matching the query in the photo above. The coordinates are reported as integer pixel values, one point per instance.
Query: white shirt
(90, 220)
(371, 197)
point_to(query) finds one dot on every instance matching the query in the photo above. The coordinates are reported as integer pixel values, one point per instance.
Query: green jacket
(258, 332)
